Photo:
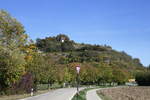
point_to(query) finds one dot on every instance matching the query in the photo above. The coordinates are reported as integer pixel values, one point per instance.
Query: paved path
(59, 94)
(92, 95)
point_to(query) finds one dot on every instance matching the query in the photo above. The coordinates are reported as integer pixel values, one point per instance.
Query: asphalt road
(92, 95)
(59, 94)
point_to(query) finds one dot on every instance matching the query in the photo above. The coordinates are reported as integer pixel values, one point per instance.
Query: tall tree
(12, 38)
(12, 32)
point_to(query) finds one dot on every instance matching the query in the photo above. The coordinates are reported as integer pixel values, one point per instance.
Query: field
(125, 93)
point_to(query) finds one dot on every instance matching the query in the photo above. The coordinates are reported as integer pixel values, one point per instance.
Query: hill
(67, 49)
(107, 62)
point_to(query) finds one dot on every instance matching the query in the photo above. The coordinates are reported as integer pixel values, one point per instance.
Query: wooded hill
(67, 51)
(99, 64)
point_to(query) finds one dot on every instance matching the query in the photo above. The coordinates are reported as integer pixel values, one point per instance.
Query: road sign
(78, 69)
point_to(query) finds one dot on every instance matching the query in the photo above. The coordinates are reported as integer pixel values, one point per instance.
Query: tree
(48, 71)
(67, 75)
(48, 44)
(61, 37)
(12, 33)
(36, 67)
(149, 67)
(12, 63)
(12, 67)
(67, 46)
(88, 74)
(143, 78)
(55, 44)
(120, 76)
(137, 62)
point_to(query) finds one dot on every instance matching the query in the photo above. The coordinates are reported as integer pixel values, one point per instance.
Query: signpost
(78, 70)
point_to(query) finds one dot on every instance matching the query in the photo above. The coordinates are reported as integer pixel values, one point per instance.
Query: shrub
(143, 78)
(24, 85)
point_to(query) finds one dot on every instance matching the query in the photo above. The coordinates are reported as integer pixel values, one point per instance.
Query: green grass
(82, 94)
(45, 86)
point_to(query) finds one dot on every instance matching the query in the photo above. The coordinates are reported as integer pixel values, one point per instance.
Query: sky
(122, 24)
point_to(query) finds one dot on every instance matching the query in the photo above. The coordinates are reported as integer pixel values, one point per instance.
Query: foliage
(24, 85)
(61, 37)
(12, 63)
(11, 31)
(82, 94)
(88, 75)
(12, 67)
(55, 44)
(143, 78)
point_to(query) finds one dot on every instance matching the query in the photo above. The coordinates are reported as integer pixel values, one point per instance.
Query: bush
(24, 85)
(143, 79)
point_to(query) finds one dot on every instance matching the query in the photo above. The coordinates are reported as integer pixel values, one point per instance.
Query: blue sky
(122, 24)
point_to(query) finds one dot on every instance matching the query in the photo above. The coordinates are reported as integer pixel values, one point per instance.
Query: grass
(45, 86)
(20, 96)
(42, 88)
(82, 94)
